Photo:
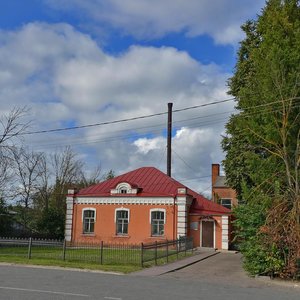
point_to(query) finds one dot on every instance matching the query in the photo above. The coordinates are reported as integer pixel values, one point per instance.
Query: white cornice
(124, 200)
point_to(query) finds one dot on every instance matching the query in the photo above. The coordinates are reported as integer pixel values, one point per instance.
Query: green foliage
(110, 174)
(25, 218)
(6, 220)
(262, 142)
(51, 223)
(261, 260)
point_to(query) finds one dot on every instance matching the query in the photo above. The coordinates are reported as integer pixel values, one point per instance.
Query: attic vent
(123, 188)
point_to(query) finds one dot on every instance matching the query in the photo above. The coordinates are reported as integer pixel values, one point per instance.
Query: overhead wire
(152, 115)
(160, 126)
(125, 120)
(183, 161)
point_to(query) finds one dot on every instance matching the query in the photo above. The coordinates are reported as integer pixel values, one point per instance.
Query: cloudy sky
(82, 62)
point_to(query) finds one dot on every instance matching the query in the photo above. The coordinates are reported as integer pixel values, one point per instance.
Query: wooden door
(207, 234)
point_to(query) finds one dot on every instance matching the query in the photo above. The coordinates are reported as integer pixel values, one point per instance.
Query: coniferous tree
(263, 140)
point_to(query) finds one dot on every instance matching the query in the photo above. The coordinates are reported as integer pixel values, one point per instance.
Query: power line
(203, 105)
(153, 115)
(163, 155)
(120, 137)
(125, 120)
(183, 161)
(161, 126)
(156, 114)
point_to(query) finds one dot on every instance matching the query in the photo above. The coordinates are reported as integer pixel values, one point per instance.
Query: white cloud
(146, 19)
(193, 152)
(145, 145)
(67, 79)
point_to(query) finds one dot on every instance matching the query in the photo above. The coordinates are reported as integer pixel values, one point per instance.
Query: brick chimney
(215, 172)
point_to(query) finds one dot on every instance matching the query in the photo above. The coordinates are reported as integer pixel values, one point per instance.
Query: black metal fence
(165, 250)
(101, 253)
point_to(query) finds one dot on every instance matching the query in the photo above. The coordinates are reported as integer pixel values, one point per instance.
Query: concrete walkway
(174, 266)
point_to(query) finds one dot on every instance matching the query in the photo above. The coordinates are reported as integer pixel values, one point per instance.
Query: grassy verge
(113, 260)
(70, 264)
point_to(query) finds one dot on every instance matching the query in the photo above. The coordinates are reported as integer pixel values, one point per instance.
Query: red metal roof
(153, 183)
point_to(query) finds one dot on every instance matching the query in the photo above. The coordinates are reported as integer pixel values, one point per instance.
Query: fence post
(101, 253)
(64, 249)
(155, 253)
(142, 255)
(185, 239)
(167, 251)
(177, 247)
(29, 247)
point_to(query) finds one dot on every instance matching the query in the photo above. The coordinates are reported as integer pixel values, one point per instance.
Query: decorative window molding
(122, 208)
(89, 208)
(123, 188)
(158, 209)
(88, 220)
(157, 221)
(122, 216)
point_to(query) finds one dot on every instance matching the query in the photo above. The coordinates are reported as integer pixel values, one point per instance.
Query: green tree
(5, 220)
(263, 140)
(110, 175)
(51, 223)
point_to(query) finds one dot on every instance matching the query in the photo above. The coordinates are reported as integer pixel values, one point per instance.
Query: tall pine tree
(263, 140)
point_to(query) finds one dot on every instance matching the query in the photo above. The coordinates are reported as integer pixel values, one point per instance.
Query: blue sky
(78, 62)
(16, 13)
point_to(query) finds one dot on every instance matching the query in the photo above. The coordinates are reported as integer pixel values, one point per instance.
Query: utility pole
(169, 141)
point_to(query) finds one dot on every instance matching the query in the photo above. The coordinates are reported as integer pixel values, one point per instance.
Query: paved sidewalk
(174, 266)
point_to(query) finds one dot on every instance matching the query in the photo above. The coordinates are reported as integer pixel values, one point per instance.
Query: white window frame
(82, 218)
(120, 209)
(226, 199)
(124, 186)
(150, 219)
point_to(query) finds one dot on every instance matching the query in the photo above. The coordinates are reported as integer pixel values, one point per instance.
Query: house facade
(145, 205)
(221, 192)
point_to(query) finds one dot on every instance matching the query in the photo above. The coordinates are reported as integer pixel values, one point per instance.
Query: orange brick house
(221, 192)
(145, 205)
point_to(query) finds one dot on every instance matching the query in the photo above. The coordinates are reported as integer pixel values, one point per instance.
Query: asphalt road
(18, 282)
(225, 268)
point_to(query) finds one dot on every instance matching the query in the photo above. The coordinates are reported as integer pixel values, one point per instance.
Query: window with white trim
(123, 188)
(226, 203)
(122, 221)
(157, 222)
(88, 220)
(123, 191)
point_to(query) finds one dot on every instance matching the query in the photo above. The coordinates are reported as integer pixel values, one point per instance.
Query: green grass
(114, 260)
(70, 264)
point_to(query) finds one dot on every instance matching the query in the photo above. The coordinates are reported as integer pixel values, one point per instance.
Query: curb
(58, 268)
(275, 281)
(174, 266)
(191, 263)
